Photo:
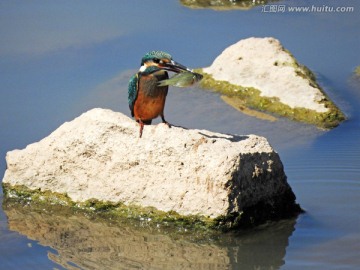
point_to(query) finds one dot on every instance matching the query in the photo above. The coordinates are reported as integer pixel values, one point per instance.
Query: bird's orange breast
(147, 108)
(151, 98)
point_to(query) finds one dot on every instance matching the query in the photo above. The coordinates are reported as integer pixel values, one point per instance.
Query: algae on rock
(252, 98)
(276, 209)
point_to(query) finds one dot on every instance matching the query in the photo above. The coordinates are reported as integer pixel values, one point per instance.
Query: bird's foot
(167, 123)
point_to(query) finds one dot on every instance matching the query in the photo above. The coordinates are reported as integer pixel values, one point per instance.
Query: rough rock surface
(264, 64)
(193, 172)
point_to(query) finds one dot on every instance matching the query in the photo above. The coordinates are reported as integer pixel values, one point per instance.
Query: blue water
(59, 59)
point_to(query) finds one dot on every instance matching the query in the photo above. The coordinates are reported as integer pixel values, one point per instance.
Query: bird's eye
(156, 60)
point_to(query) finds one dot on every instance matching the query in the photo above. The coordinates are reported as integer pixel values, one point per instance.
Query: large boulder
(99, 156)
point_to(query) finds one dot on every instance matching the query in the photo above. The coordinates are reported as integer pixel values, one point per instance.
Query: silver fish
(183, 79)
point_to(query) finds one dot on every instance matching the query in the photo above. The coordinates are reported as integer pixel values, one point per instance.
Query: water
(58, 60)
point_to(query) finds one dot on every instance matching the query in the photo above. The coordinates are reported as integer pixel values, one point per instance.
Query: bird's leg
(164, 121)
(141, 127)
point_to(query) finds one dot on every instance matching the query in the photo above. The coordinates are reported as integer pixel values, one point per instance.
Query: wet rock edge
(251, 97)
(282, 206)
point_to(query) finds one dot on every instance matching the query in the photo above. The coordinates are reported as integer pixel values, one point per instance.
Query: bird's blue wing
(132, 92)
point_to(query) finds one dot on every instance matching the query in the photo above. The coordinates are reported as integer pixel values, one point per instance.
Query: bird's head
(161, 60)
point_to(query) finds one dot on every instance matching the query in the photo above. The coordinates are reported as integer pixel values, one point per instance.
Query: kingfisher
(145, 96)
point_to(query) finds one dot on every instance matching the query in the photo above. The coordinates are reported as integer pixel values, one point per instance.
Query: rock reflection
(86, 241)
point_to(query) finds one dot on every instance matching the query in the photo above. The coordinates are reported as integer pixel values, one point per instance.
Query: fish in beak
(183, 79)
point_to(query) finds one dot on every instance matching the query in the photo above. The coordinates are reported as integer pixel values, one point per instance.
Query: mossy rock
(249, 217)
(275, 82)
(251, 97)
(223, 4)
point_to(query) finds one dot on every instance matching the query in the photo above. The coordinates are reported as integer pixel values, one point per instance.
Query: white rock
(100, 156)
(264, 64)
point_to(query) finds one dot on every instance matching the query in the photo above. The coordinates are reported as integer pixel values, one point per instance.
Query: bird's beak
(175, 67)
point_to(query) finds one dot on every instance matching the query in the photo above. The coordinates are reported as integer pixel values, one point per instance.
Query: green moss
(281, 207)
(302, 71)
(107, 209)
(23, 193)
(147, 214)
(357, 71)
(251, 97)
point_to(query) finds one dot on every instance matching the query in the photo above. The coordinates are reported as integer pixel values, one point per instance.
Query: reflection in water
(239, 105)
(89, 242)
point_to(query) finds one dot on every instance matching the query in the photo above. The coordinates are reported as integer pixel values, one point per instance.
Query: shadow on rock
(231, 138)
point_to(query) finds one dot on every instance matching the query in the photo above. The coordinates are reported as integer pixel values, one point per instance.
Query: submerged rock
(227, 180)
(267, 77)
(224, 4)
